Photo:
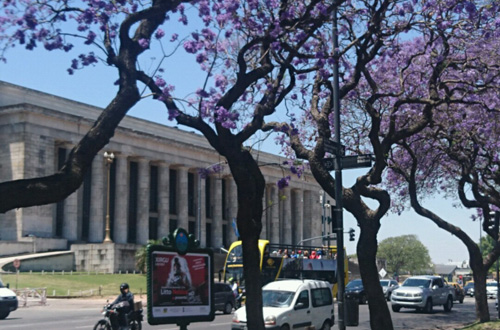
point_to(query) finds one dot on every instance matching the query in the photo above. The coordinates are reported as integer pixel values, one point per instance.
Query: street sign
(328, 163)
(382, 273)
(334, 148)
(356, 161)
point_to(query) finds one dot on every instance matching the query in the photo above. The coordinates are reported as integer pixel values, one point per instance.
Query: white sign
(382, 273)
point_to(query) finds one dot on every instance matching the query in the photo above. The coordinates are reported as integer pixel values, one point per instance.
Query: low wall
(105, 257)
(63, 261)
(27, 245)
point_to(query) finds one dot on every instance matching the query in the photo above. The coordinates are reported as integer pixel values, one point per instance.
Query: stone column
(70, 224)
(217, 217)
(275, 216)
(264, 233)
(307, 222)
(201, 207)
(317, 226)
(121, 200)
(97, 202)
(233, 209)
(297, 215)
(287, 216)
(163, 199)
(182, 193)
(143, 202)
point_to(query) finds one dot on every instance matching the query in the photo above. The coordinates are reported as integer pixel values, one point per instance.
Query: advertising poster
(180, 284)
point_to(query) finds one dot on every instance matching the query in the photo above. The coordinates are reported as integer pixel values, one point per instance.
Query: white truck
(423, 293)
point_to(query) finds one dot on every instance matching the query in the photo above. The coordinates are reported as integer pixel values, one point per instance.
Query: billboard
(179, 286)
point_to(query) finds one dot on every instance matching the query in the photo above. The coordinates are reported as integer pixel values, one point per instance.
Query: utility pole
(338, 177)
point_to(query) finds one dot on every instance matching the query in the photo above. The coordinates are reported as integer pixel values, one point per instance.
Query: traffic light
(351, 234)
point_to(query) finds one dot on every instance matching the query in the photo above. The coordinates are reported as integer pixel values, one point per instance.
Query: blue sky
(46, 72)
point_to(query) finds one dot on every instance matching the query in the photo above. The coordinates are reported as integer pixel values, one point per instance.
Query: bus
(287, 261)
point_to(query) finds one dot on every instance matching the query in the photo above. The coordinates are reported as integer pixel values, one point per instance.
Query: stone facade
(154, 181)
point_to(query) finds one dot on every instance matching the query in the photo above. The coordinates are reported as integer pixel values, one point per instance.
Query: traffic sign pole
(338, 177)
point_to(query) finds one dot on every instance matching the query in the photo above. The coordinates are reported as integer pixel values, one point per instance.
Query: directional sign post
(334, 148)
(356, 161)
(348, 162)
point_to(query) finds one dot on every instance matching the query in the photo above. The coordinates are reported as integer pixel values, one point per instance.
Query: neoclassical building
(154, 185)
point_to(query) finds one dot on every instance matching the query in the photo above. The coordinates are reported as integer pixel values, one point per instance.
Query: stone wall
(106, 257)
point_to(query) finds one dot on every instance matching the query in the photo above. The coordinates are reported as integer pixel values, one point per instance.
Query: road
(61, 314)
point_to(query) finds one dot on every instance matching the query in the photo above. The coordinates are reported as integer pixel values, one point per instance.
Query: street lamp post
(109, 160)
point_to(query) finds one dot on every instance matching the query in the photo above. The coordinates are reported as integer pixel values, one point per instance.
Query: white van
(293, 304)
(8, 301)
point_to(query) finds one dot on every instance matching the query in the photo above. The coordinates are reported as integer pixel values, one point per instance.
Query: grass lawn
(493, 325)
(77, 284)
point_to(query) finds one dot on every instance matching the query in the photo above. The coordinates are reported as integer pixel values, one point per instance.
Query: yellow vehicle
(287, 261)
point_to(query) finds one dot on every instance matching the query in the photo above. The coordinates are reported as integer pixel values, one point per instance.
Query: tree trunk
(250, 184)
(479, 272)
(380, 317)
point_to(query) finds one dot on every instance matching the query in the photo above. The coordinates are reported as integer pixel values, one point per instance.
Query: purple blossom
(174, 37)
(283, 182)
(144, 43)
(159, 34)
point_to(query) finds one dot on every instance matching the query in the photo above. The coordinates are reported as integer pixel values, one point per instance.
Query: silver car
(388, 286)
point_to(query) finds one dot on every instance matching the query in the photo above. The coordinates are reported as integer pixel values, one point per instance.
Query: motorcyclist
(124, 304)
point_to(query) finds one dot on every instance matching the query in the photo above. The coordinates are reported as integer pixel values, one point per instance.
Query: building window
(172, 225)
(132, 202)
(153, 189)
(61, 158)
(224, 236)
(191, 207)
(86, 198)
(173, 192)
(192, 228)
(208, 197)
(209, 235)
(153, 228)
(224, 204)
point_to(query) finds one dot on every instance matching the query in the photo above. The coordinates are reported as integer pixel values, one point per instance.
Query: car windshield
(1, 284)
(418, 282)
(492, 284)
(469, 285)
(354, 284)
(272, 298)
(384, 283)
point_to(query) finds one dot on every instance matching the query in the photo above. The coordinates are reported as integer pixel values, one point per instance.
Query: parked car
(293, 304)
(388, 286)
(355, 289)
(423, 293)
(224, 298)
(491, 289)
(469, 289)
(8, 301)
(459, 292)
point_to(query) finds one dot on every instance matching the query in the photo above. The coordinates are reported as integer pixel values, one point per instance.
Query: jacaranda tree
(385, 101)
(251, 52)
(457, 155)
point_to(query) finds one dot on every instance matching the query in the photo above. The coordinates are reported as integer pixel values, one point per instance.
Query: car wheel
(228, 308)
(461, 300)
(285, 327)
(428, 306)
(396, 308)
(4, 314)
(449, 304)
(326, 325)
(362, 299)
(389, 296)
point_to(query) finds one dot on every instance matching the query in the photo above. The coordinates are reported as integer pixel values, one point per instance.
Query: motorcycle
(109, 311)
